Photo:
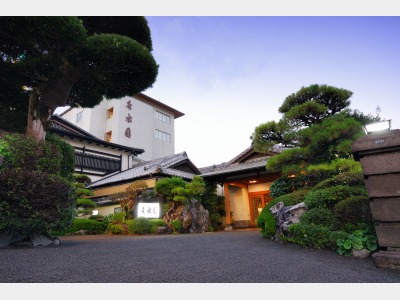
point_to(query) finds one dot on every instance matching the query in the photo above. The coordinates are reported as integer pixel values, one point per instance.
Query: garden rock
(285, 216)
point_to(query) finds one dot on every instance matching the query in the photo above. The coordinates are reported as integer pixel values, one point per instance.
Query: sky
(229, 74)
(228, 67)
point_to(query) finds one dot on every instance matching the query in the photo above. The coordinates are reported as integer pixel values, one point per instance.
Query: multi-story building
(138, 121)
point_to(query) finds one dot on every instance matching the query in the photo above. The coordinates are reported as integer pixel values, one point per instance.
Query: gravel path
(217, 257)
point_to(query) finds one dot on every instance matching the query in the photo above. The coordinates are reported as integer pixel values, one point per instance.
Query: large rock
(193, 216)
(285, 216)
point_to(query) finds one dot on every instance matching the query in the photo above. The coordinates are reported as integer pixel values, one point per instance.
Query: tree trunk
(42, 104)
(35, 126)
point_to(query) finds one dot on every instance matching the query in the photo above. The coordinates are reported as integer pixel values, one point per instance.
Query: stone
(363, 253)
(285, 216)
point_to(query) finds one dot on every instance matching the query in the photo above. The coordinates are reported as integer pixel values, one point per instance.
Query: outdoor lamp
(378, 126)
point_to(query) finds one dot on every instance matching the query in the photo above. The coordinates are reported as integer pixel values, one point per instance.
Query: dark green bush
(346, 178)
(286, 185)
(140, 225)
(354, 210)
(67, 155)
(86, 224)
(86, 203)
(22, 152)
(308, 236)
(82, 178)
(329, 197)
(320, 216)
(32, 201)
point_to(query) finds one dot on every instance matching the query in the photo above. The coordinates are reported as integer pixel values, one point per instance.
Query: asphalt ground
(215, 257)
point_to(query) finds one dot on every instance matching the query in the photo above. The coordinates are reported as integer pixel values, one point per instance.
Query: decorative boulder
(285, 216)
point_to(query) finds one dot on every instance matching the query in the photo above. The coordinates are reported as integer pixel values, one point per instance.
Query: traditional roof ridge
(63, 127)
(160, 165)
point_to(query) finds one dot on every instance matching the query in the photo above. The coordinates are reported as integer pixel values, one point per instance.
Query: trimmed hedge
(329, 197)
(354, 210)
(320, 216)
(86, 224)
(309, 236)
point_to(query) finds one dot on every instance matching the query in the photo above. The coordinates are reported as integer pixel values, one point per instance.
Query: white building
(139, 122)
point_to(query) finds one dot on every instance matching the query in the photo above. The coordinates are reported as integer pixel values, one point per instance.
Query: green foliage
(176, 225)
(349, 178)
(140, 225)
(86, 203)
(357, 240)
(67, 155)
(311, 104)
(321, 217)
(32, 201)
(117, 217)
(115, 228)
(106, 60)
(354, 210)
(81, 178)
(21, 152)
(86, 224)
(155, 223)
(329, 197)
(178, 190)
(214, 203)
(309, 236)
(286, 185)
(289, 161)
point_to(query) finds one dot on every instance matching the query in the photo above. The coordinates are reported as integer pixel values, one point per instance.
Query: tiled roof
(239, 167)
(63, 127)
(256, 163)
(161, 166)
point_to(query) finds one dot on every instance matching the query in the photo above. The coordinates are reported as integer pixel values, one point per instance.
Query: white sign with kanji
(149, 210)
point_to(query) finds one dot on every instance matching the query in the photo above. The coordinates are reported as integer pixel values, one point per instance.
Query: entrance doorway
(257, 202)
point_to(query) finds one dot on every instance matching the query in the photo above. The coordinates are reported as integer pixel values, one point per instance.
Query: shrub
(328, 197)
(32, 201)
(308, 236)
(82, 178)
(354, 210)
(115, 228)
(22, 152)
(117, 217)
(140, 225)
(155, 223)
(86, 203)
(286, 185)
(86, 224)
(346, 178)
(320, 216)
(336, 235)
(176, 225)
(357, 240)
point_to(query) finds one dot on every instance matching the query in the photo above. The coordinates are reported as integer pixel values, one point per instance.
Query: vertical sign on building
(128, 119)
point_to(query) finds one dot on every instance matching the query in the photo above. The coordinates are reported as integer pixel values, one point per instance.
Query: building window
(108, 136)
(161, 135)
(79, 116)
(110, 112)
(117, 210)
(163, 117)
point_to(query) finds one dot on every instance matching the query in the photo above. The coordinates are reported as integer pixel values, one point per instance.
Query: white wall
(239, 203)
(259, 187)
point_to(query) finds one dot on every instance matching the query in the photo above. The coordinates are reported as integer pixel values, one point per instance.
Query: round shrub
(321, 217)
(328, 197)
(115, 228)
(354, 210)
(140, 225)
(155, 223)
(86, 224)
(118, 217)
(309, 236)
(32, 201)
(345, 178)
(22, 152)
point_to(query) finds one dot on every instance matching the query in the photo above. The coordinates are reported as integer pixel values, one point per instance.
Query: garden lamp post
(379, 154)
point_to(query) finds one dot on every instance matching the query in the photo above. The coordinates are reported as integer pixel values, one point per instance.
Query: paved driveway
(218, 257)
